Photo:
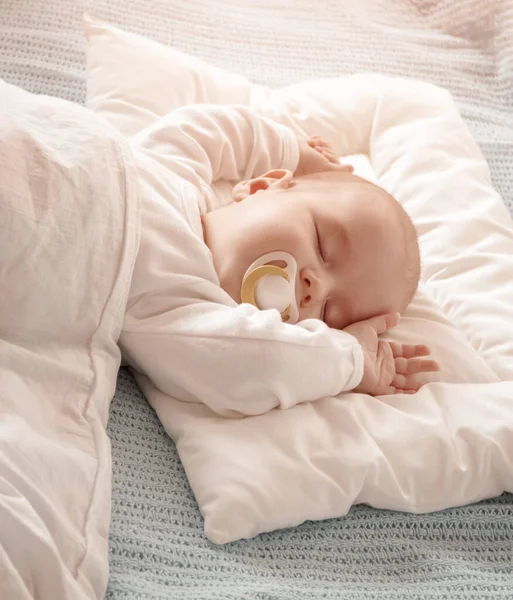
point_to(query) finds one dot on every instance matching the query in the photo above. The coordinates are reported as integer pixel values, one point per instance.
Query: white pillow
(133, 80)
(450, 444)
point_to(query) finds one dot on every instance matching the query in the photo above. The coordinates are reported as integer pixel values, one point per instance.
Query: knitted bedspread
(158, 549)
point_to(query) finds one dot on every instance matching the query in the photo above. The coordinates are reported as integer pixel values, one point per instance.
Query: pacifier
(268, 286)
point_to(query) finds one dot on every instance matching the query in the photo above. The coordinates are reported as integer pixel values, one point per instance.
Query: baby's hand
(389, 368)
(317, 156)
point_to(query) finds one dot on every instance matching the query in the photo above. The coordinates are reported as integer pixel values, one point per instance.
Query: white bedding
(69, 232)
(450, 444)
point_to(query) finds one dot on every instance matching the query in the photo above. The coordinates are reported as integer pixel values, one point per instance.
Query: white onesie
(181, 329)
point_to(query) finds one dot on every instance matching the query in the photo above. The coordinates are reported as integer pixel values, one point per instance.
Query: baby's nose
(313, 289)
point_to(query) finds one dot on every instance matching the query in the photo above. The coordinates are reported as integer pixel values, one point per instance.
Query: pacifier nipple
(268, 286)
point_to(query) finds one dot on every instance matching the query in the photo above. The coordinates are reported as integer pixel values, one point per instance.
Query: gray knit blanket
(157, 546)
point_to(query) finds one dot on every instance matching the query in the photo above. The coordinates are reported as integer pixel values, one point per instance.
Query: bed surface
(157, 544)
(158, 548)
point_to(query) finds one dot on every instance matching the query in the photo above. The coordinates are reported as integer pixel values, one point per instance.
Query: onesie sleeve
(239, 360)
(205, 143)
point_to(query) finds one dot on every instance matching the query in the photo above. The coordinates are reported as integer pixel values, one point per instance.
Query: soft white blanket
(68, 223)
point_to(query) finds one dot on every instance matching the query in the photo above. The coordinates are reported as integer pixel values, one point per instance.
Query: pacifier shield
(268, 286)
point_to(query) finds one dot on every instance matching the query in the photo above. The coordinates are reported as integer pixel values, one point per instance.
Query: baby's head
(355, 247)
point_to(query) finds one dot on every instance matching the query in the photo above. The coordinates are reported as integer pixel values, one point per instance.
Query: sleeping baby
(278, 297)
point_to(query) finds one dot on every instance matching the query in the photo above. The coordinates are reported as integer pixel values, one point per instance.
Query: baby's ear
(276, 179)
(240, 191)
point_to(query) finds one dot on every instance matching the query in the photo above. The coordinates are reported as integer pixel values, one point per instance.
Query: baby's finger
(412, 385)
(383, 322)
(336, 166)
(397, 349)
(318, 144)
(319, 141)
(332, 158)
(403, 383)
(409, 351)
(399, 381)
(412, 366)
(326, 151)
(392, 390)
(420, 350)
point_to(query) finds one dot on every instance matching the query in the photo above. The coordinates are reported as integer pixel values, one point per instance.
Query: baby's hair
(412, 261)
(412, 253)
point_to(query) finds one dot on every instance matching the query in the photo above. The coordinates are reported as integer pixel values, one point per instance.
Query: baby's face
(347, 241)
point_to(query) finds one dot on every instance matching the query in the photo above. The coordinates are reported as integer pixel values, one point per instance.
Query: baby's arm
(239, 360)
(205, 143)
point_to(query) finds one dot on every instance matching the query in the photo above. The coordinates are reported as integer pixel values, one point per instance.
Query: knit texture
(157, 545)
(158, 549)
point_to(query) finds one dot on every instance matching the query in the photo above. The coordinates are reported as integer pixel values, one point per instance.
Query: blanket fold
(68, 238)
